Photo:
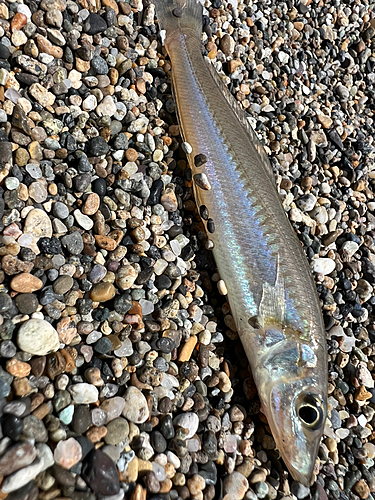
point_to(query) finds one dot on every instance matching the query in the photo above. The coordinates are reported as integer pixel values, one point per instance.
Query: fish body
(271, 292)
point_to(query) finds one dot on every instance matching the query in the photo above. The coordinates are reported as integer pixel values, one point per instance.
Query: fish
(269, 283)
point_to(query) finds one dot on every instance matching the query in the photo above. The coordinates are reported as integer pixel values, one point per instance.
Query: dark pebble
(27, 303)
(12, 427)
(158, 442)
(99, 186)
(98, 145)
(81, 418)
(163, 282)
(103, 345)
(200, 160)
(94, 24)
(100, 474)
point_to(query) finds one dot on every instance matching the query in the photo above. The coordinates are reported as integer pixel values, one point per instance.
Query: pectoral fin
(272, 304)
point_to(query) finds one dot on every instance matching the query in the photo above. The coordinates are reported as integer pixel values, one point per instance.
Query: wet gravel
(121, 375)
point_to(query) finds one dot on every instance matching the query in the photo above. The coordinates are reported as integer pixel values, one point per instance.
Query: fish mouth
(305, 478)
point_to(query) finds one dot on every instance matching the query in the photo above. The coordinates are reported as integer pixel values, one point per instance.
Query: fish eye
(310, 412)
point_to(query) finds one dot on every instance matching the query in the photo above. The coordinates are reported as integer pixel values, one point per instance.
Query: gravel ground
(121, 374)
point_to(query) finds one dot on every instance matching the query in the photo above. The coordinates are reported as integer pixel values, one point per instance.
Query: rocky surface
(121, 375)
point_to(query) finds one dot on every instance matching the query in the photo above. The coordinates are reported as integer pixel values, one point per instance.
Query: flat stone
(136, 408)
(37, 337)
(100, 474)
(188, 421)
(103, 292)
(68, 453)
(26, 283)
(17, 457)
(38, 224)
(323, 265)
(83, 393)
(18, 479)
(236, 485)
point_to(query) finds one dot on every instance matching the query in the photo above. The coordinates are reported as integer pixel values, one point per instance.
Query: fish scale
(270, 288)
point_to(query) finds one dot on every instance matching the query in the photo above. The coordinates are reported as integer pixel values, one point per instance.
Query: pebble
(135, 408)
(236, 485)
(323, 265)
(83, 393)
(37, 337)
(20, 478)
(67, 453)
(188, 421)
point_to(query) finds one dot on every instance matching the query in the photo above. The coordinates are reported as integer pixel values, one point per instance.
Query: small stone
(92, 204)
(26, 283)
(17, 457)
(17, 368)
(236, 485)
(306, 202)
(83, 220)
(42, 95)
(102, 292)
(68, 453)
(37, 337)
(20, 478)
(188, 421)
(202, 181)
(38, 224)
(323, 265)
(117, 431)
(107, 107)
(98, 146)
(126, 276)
(299, 490)
(136, 408)
(325, 120)
(100, 474)
(168, 200)
(94, 24)
(73, 243)
(83, 393)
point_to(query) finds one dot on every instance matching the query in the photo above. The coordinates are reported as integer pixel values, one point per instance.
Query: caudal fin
(179, 16)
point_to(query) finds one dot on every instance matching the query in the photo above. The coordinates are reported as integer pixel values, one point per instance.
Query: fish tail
(180, 17)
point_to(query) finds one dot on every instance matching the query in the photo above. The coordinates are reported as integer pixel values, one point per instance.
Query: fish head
(296, 414)
(292, 385)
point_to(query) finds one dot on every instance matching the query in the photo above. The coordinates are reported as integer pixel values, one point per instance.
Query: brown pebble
(131, 154)
(362, 394)
(102, 292)
(200, 159)
(26, 283)
(105, 242)
(21, 386)
(92, 204)
(96, 433)
(37, 365)
(187, 349)
(139, 493)
(18, 21)
(362, 489)
(42, 411)
(17, 368)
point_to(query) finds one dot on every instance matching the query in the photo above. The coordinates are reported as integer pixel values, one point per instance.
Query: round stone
(68, 453)
(37, 337)
(136, 408)
(102, 292)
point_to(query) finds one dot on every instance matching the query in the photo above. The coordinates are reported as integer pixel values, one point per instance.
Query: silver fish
(270, 288)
